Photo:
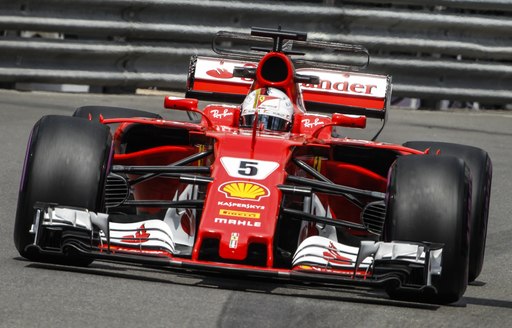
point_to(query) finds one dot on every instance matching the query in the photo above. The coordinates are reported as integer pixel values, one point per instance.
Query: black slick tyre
(66, 163)
(480, 165)
(428, 200)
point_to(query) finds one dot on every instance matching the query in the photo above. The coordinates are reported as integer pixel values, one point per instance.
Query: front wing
(70, 231)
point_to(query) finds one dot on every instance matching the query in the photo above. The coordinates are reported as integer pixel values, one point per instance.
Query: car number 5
(248, 168)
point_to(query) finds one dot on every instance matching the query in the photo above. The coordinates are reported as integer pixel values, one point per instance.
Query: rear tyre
(480, 165)
(94, 112)
(66, 163)
(428, 201)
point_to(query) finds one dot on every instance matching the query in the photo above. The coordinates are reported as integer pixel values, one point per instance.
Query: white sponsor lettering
(216, 113)
(236, 222)
(241, 205)
(347, 83)
(308, 124)
(362, 85)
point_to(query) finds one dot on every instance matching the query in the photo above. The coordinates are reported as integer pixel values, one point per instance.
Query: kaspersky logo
(244, 190)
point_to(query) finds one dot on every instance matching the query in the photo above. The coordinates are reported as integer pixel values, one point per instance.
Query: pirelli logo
(240, 214)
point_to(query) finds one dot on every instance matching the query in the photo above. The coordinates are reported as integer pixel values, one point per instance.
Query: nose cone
(242, 203)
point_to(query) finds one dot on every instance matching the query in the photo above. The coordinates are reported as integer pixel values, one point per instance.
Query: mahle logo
(244, 190)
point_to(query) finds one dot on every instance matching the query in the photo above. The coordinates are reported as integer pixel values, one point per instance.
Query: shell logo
(244, 190)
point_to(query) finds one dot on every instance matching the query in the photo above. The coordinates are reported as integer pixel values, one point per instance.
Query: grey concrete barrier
(440, 49)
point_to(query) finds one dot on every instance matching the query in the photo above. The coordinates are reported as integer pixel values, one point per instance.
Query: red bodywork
(240, 208)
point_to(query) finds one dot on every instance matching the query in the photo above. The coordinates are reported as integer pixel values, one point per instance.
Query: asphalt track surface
(113, 295)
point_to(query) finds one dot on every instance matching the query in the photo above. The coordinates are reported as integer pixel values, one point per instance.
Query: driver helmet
(275, 110)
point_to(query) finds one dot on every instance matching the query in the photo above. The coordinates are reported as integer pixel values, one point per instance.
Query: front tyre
(66, 163)
(428, 201)
(480, 165)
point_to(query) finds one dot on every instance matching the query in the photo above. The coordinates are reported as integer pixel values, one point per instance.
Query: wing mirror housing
(189, 104)
(349, 121)
(343, 120)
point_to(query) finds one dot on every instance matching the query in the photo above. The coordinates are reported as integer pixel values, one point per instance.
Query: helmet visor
(268, 122)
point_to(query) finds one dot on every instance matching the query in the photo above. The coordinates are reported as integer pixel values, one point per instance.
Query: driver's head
(275, 110)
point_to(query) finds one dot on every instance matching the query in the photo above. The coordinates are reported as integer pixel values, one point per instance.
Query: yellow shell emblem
(244, 190)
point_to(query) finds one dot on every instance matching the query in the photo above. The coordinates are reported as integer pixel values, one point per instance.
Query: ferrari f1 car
(269, 186)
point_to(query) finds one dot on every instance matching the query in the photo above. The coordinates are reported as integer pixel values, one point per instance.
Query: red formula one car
(266, 187)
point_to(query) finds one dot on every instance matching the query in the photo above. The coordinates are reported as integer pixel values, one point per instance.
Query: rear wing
(354, 93)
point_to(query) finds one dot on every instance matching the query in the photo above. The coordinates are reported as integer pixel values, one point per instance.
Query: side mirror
(190, 104)
(337, 119)
(181, 103)
(349, 121)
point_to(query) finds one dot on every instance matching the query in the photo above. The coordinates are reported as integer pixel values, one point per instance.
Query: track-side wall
(448, 49)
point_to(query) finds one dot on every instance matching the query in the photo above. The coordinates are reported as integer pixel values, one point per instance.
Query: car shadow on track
(487, 302)
(276, 287)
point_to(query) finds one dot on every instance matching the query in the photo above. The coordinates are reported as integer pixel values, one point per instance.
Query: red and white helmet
(275, 110)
